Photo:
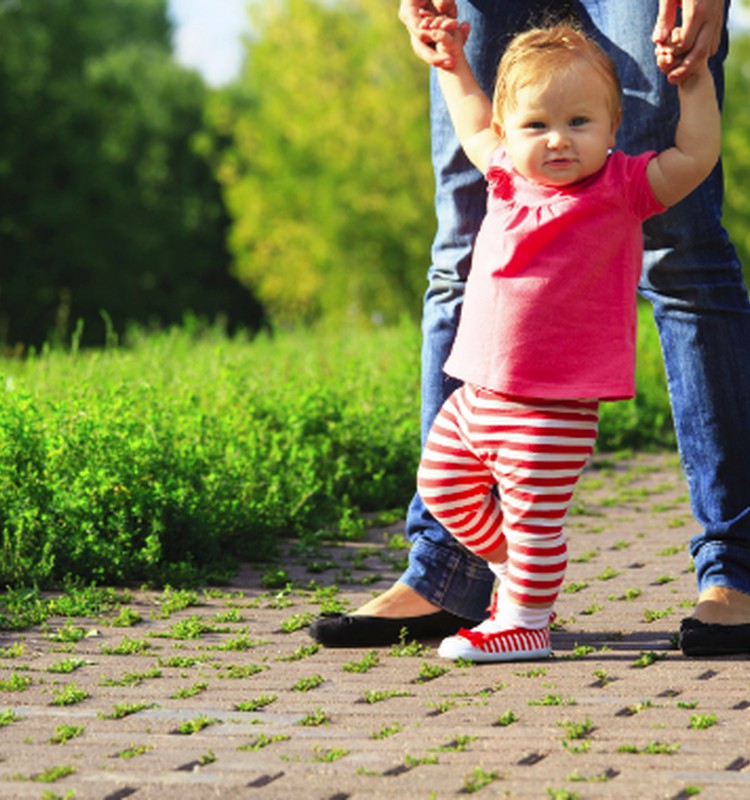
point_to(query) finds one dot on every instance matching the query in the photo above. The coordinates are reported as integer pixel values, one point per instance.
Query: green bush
(646, 421)
(169, 460)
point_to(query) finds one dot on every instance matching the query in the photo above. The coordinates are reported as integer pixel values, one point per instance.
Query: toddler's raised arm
(674, 173)
(469, 106)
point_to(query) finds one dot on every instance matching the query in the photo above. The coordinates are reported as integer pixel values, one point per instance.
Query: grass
(133, 751)
(647, 658)
(551, 700)
(69, 696)
(314, 719)
(652, 748)
(387, 731)
(329, 755)
(196, 725)
(263, 741)
(186, 692)
(372, 696)
(257, 704)
(16, 683)
(429, 672)
(241, 671)
(172, 459)
(67, 665)
(132, 678)
(478, 780)
(309, 683)
(127, 647)
(64, 733)
(122, 710)
(365, 664)
(168, 461)
(8, 717)
(700, 722)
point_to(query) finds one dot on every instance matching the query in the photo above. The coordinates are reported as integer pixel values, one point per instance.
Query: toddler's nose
(556, 139)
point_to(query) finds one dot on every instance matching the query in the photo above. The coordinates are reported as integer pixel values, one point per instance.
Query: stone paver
(617, 713)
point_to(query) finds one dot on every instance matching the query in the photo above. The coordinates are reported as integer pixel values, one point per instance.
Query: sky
(208, 34)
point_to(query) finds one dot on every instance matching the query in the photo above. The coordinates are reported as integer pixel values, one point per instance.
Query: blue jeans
(691, 275)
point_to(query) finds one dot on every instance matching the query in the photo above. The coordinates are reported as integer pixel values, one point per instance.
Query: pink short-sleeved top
(550, 303)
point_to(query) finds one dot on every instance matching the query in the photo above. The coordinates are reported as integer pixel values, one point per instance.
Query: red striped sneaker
(514, 644)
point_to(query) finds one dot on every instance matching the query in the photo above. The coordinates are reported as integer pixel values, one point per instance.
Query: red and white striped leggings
(534, 451)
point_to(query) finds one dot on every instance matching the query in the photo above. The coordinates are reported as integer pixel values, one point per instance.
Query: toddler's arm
(675, 172)
(412, 13)
(469, 106)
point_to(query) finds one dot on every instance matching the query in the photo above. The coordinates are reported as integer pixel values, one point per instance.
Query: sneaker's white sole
(455, 647)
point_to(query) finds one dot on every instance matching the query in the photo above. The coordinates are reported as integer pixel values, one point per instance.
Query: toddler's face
(560, 133)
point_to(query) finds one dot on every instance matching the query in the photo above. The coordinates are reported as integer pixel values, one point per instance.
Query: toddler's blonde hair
(538, 55)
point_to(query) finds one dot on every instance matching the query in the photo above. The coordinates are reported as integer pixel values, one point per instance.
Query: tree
(327, 177)
(105, 204)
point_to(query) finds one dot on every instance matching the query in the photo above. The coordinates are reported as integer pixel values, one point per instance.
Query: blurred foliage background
(297, 201)
(130, 191)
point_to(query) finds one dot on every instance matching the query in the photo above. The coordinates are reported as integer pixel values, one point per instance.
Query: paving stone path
(221, 692)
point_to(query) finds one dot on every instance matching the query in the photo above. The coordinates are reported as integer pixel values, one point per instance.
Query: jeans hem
(451, 578)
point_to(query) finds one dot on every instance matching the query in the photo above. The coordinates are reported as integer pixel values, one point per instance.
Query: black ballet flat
(345, 630)
(712, 639)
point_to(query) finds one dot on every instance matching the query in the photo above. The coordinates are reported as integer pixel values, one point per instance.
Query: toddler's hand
(670, 54)
(666, 58)
(677, 59)
(448, 36)
(411, 13)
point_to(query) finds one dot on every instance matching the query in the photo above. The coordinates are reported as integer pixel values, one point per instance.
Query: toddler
(548, 323)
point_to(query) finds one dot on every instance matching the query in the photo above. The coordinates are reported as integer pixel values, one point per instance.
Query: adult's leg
(440, 570)
(693, 278)
(442, 576)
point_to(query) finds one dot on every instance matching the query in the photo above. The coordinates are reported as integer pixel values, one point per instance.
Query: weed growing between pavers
(127, 647)
(122, 710)
(69, 695)
(192, 726)
(16, 683)
(479, 779)
(132, 678)
(365, 664)
(314, 719)
(647, 659)
(186, 692)
(262, 741)
(302, 652)
(256, 704)
(64, 733)
(133, 751)
(429, 672)
(374, 696)
(8, 717)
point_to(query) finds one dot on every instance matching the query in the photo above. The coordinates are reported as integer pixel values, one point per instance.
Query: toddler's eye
(535, 125)
(576, 122)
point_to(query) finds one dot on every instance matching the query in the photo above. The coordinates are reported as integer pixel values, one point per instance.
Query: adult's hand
(411, 13)
(697, 37)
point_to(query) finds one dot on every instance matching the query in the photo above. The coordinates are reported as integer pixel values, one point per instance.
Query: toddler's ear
(498, 129)
(615, 125)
